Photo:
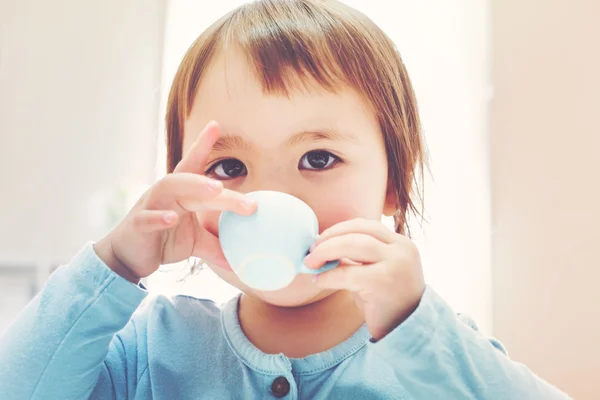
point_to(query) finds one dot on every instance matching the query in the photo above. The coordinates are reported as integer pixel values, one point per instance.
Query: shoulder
(470, 322)
(182, 303)
(434, 312)
(178, 313)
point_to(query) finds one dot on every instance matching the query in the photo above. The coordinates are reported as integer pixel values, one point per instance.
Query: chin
(300, 292)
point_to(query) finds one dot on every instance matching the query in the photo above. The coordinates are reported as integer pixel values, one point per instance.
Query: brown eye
(228, 169)
(317, 159)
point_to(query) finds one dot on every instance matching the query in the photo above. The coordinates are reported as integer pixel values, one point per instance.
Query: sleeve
(438, 355)
(63, 344)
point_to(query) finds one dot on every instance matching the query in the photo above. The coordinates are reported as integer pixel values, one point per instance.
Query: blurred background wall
(79, 98)
(545, 152)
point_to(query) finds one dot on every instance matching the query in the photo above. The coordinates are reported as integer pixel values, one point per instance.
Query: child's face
(341, 175)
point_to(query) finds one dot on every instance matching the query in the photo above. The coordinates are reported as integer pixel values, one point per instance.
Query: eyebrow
(321, 135)
(233, 142)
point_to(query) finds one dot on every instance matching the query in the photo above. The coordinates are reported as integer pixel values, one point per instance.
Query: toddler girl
(312, 99)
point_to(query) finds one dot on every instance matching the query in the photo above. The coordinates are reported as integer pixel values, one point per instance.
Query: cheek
(334, 216)
(347, 201)
(343, 209)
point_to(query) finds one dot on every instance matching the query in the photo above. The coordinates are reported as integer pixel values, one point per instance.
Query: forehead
(231, 94)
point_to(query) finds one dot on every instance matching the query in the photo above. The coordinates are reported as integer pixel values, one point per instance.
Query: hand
(381, 268)
(164, 226)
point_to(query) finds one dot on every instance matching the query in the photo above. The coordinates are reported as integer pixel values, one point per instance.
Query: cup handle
(330, 265)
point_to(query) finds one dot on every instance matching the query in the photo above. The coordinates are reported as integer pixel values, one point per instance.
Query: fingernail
(312, 248)
(314, 278)
(307, 261)
(249, 203)
(215, 185)
(168, 218)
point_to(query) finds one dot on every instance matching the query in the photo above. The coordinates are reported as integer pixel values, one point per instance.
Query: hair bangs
(292, 46)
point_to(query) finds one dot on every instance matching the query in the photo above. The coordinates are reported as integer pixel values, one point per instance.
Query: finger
(182, 185)
(347, 261)
(359, 225)
(355, 246)
(194, 160)
(352, 278)
(147, 221)
(186, 192)
(227, 200)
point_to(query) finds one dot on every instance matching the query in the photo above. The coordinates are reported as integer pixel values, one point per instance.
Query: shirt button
(280, 387)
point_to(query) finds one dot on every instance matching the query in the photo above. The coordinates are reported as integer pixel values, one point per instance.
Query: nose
(277, 187)
(278, 182)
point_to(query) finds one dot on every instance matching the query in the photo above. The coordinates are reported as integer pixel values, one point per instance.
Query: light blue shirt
(92, 334)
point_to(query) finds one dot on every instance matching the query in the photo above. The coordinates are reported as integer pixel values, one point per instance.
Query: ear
(391, 201)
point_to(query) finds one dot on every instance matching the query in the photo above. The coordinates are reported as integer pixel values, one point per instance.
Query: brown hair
(295, 41)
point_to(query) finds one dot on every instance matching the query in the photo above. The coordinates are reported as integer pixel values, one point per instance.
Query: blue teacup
(266, 249)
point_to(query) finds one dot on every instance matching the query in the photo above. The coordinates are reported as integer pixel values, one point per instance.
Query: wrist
(105, 252)
(401, 316)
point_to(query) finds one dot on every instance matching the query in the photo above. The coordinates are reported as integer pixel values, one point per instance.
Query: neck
(299, 331)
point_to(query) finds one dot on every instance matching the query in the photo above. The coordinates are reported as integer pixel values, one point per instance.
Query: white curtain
(446, 47)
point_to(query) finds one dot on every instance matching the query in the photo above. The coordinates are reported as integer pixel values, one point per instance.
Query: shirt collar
(274, 364)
